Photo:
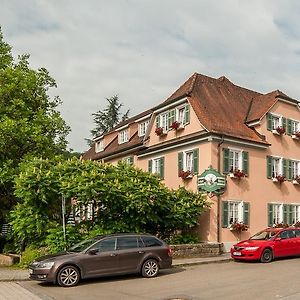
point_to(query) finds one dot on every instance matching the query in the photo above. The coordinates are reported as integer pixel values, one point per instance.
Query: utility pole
(63, 210)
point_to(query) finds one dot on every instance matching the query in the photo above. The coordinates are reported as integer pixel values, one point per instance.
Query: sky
(143, 50)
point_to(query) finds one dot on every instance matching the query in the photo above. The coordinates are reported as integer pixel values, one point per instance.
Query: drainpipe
(218, 196)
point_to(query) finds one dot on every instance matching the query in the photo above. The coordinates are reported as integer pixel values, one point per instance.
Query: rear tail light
(170, 252)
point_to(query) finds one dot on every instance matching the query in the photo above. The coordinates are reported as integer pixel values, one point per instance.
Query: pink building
(253, 139)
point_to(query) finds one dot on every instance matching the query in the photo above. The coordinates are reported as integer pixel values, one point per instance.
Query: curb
(194, 263)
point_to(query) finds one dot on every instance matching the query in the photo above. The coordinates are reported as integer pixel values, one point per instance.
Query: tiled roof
(220, 106)
(261, 104)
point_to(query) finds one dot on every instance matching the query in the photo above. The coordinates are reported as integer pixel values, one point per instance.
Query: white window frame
(277, 166)
(235, 159)
(143, 128)
(163, 121)
(277, 217)
(127, 160)
(180, 115)
(296, 212)
(155, 168)
(123, 136)
(276, 121)
(188, 160)
(99, 145)
(235, 211)
(295, 126)
(295, 168)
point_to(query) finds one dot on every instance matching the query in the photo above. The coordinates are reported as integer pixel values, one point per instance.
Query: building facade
(252, 139)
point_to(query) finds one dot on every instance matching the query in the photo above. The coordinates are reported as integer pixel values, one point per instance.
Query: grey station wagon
(102, 256)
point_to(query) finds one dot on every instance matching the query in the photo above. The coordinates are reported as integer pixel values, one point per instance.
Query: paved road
(232, 280)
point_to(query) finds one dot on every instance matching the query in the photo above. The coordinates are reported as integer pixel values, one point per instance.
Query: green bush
(185, 238)
(30, 254)
(55, 238)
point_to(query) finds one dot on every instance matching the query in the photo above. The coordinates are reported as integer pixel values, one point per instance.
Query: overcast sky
(143, 50)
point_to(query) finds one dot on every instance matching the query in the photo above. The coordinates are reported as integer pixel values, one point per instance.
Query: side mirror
(92, 251)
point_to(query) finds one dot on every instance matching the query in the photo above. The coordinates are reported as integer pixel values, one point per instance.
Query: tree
(107, 119)
(30, 125)
(123, 198)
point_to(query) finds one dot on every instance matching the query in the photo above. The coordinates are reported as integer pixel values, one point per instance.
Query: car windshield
(82, 245)
(263, 235)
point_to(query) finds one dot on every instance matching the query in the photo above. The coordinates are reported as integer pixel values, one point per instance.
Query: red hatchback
(268, 244)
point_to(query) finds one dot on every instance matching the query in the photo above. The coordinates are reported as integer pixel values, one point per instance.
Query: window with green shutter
(188, 161)
(270, 214)
(162, 168)
(157, 166)
(245, 155)
(195, 161)
(225, 160)
(269, 121)
(235, 211)
(246, 212)
(180, 162)
(225, 222)
(269, 167)
(171, 117)
(289, 127)
(187, 114)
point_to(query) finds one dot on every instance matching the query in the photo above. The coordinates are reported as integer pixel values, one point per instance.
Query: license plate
(30, 271)
(237, 253)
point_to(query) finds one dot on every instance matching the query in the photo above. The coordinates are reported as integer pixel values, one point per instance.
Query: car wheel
(266, 256)
(150, 268)
(68, 276)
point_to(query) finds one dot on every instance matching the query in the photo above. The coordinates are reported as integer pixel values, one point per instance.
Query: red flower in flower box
(297, 134)
(280, 129)
(175, 125)
(159, 131)
(238, 226)
(296, 179)
(185, 174)
(281, 225)
(280, 178)
(237, 173)
(297, 224)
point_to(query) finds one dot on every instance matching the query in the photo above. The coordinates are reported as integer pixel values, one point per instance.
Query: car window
(150, 241)
(263, 235)
(297, 232)
(106, 245)
(128, 242)
(82, 245)
(291, 234)
(284, 235)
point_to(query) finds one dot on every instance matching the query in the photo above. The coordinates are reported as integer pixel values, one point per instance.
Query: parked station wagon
(102, 256)
(268, 244)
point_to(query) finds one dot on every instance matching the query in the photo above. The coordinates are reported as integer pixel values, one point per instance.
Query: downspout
(218, 195)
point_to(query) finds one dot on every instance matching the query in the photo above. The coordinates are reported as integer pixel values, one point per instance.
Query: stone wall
(9, 259)
(197, 250)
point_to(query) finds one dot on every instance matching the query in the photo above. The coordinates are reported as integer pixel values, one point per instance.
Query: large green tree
(124, 198)
(30, 124)
(107, 119)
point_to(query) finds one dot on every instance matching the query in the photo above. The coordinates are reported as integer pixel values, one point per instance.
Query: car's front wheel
(68, 276)
(266, 256)
(150, 268)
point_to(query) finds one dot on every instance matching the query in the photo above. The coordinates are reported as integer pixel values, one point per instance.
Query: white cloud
(143, 50)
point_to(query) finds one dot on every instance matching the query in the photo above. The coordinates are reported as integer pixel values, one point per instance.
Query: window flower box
(279, 130)
(280, 225)
(177, 125)
(278, 178)
(160, 131)
(238, 226)
(296, 135)
(296, 180)
(297, 224)
(236, 173)
(186, 174)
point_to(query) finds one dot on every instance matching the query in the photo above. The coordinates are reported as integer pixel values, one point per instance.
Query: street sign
(211, 181)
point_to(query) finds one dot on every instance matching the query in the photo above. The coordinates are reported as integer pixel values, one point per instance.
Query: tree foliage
(30, 125)
(125, 199)
(107, 119)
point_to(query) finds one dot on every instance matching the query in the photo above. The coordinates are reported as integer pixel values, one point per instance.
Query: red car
(268, 244)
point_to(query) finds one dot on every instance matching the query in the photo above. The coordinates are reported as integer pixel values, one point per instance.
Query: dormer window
(276, 123)
(99, 146)
(123, 136)
(143, 128)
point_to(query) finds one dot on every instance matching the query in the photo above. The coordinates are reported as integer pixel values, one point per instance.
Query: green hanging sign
(211, 181)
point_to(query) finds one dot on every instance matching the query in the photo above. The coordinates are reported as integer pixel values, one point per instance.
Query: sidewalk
(11, 274)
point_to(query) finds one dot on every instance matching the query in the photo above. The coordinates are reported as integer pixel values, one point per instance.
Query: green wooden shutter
(269, 122)
(196, 161)
(289, 127)
(289, 171)
(225, 214)
(284, 123)
(225, 160)
(269, 166)
(130, 159)
(187, 114)
(150, 166)
(162, 167)
(285, 214)
(157, 121)
(171, 117)
(246, 213)
(292, 214)
(180, 161)
(245, 162)
(270, 214)
(284, 167)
